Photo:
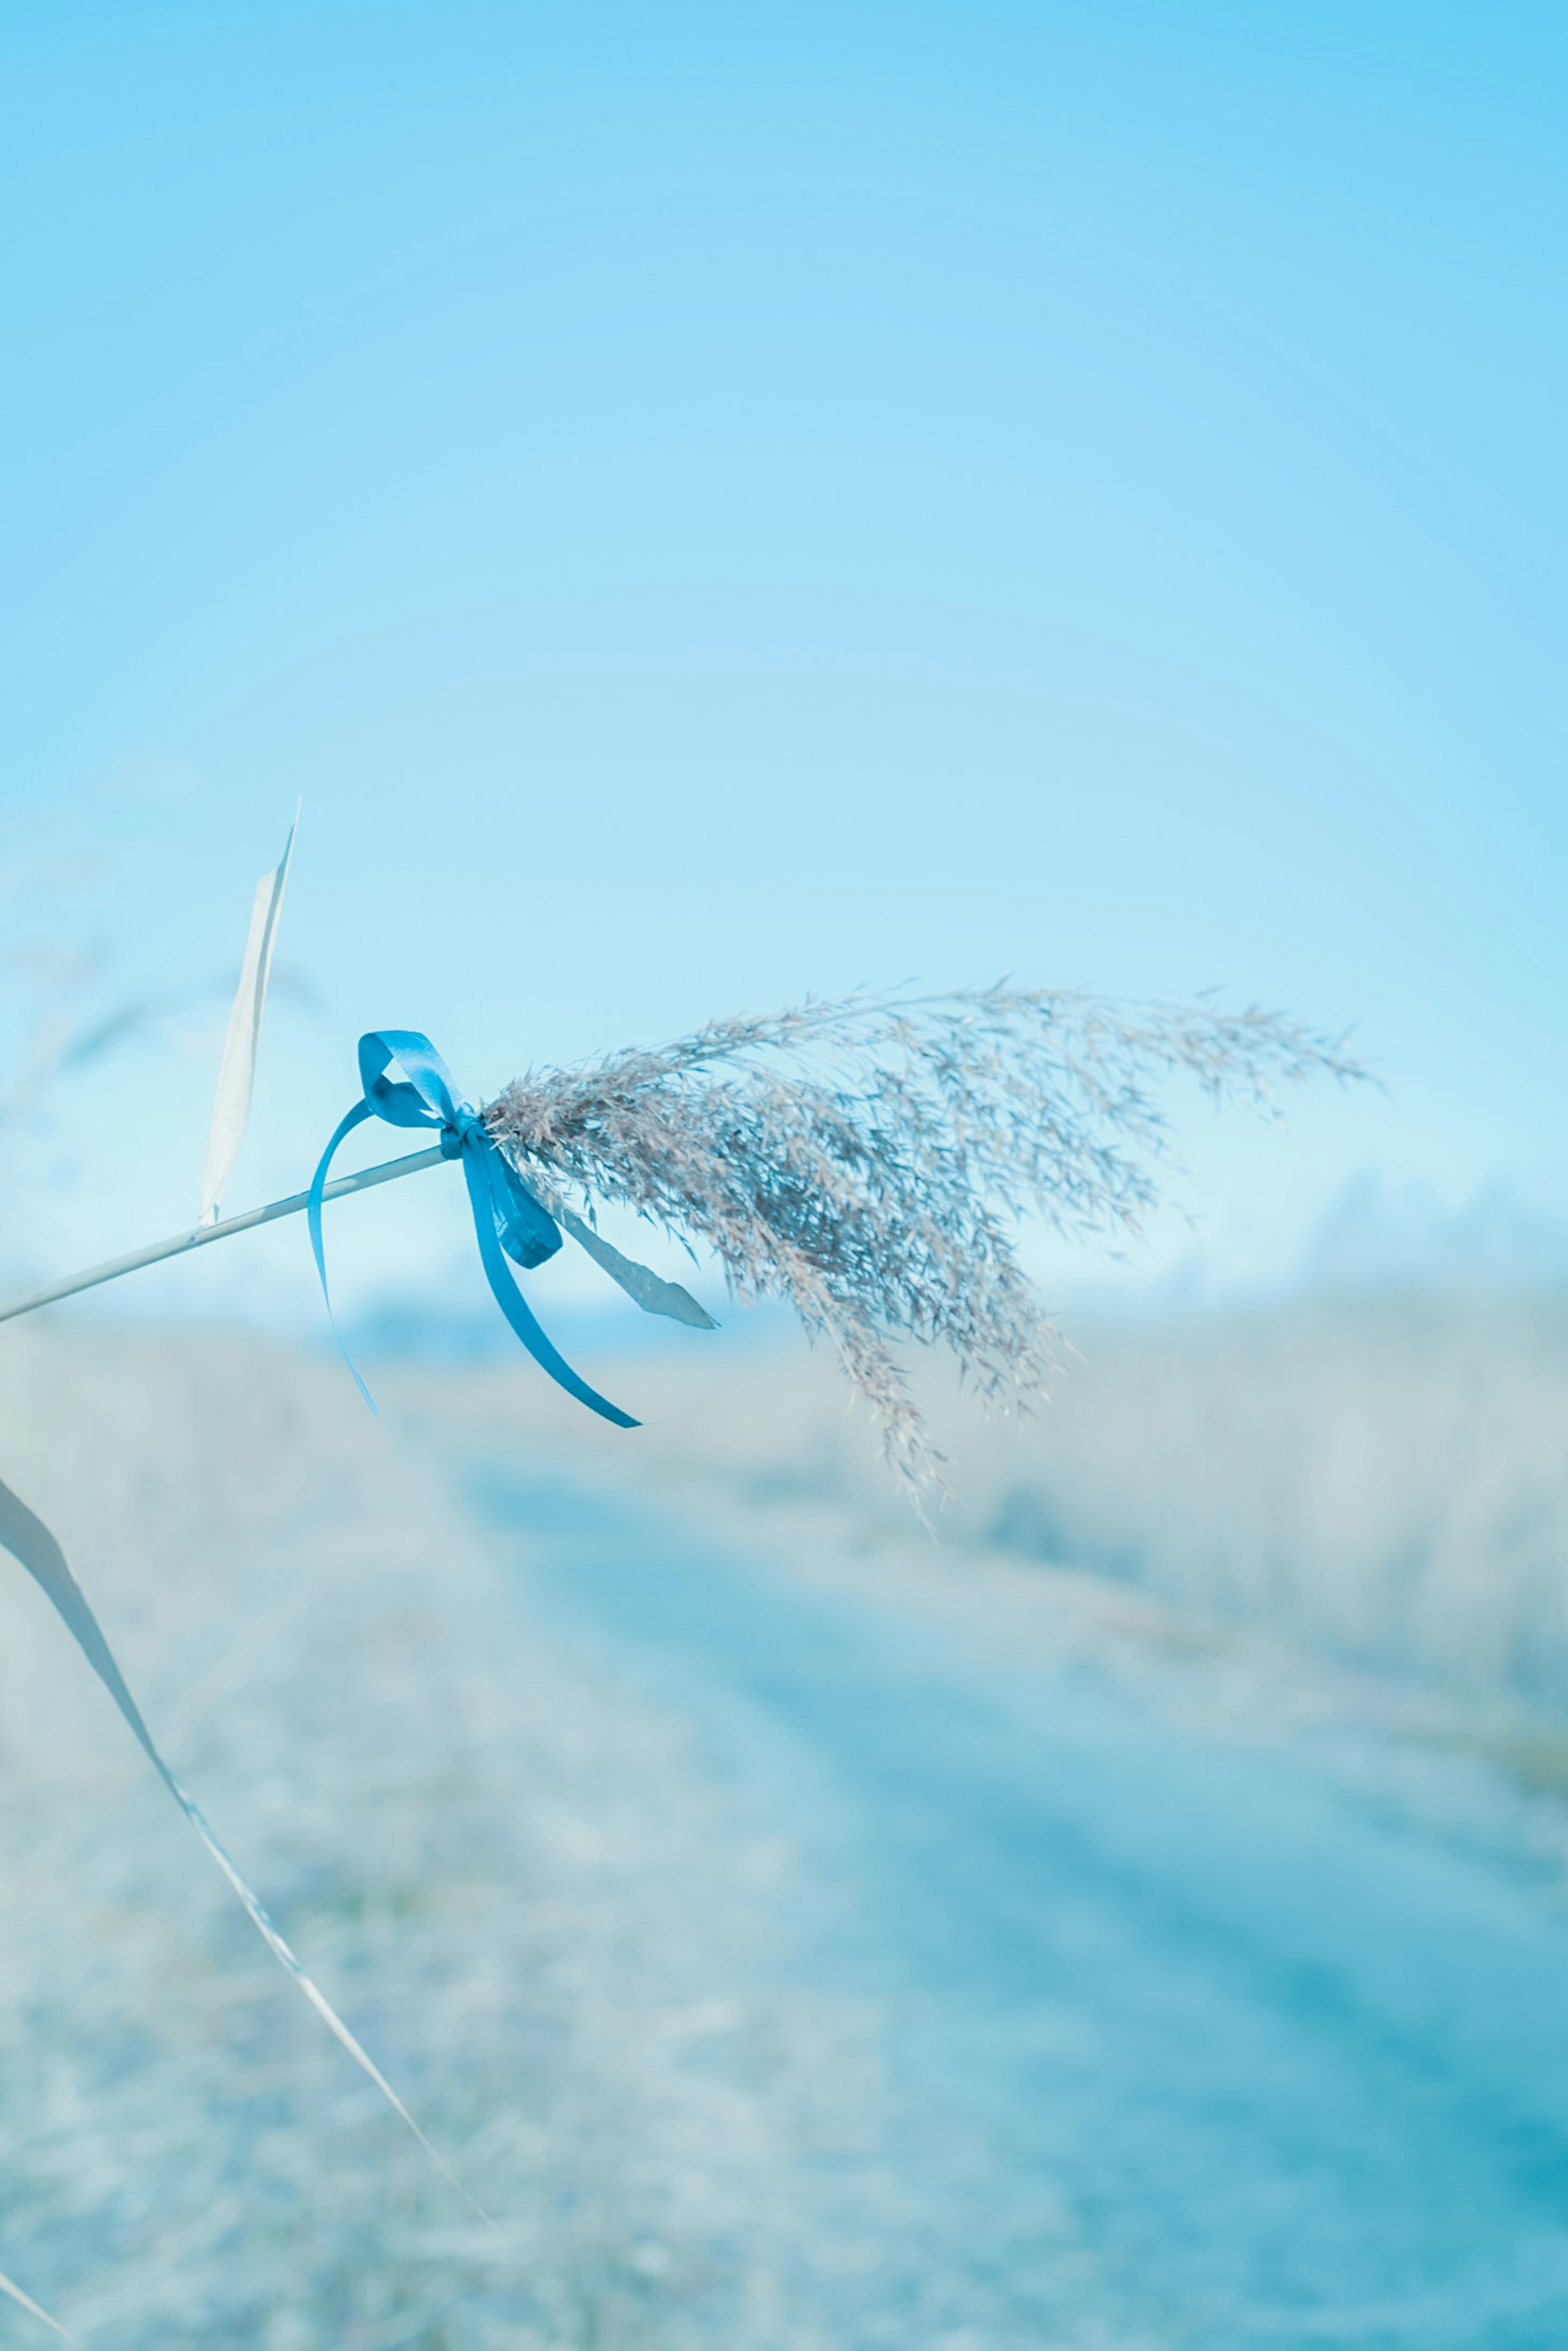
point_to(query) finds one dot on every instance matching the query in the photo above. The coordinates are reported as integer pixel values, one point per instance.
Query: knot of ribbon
(507, 1217)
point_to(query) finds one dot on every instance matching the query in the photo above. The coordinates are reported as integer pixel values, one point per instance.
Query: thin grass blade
(236, 1070)
(25, 1535)
(653, 1293)
(9, 2286)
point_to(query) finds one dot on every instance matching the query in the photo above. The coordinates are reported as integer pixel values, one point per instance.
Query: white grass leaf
(236, 1070)
(653, 1293)
(26, 1536)
(25, 2300)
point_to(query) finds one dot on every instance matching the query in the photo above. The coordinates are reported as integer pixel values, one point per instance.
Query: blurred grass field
(576, 1954)
(1382, 1478)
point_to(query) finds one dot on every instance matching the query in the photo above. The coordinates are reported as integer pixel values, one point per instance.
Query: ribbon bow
(507, 1217)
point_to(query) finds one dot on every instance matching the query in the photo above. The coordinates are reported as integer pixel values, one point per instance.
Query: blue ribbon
(507, 1217)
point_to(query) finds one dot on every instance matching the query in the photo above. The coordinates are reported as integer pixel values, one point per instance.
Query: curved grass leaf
(26, 1536)
(9, 2286)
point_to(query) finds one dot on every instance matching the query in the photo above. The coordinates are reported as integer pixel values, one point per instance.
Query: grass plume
(868, 1159)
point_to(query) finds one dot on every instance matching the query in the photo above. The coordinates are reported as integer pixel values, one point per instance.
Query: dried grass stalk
(868, 1159)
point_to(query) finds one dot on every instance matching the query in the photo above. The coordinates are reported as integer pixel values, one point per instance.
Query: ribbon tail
(356, 1117)
(29, 1541)
(514, 1306)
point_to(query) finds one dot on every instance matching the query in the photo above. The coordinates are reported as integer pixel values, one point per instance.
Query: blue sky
(706, 505)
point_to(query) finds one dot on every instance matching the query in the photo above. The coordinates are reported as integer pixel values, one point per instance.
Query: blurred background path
(1184, 2039)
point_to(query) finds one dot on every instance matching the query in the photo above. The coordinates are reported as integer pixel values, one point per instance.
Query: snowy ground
(795, 1933)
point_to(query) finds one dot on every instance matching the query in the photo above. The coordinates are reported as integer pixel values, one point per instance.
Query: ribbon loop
(427, 1100)
(508, 1221)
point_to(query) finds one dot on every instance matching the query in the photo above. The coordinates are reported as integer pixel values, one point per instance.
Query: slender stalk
(201, 1235)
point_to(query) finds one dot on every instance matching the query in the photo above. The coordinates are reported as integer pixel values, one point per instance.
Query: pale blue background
(706, 505)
